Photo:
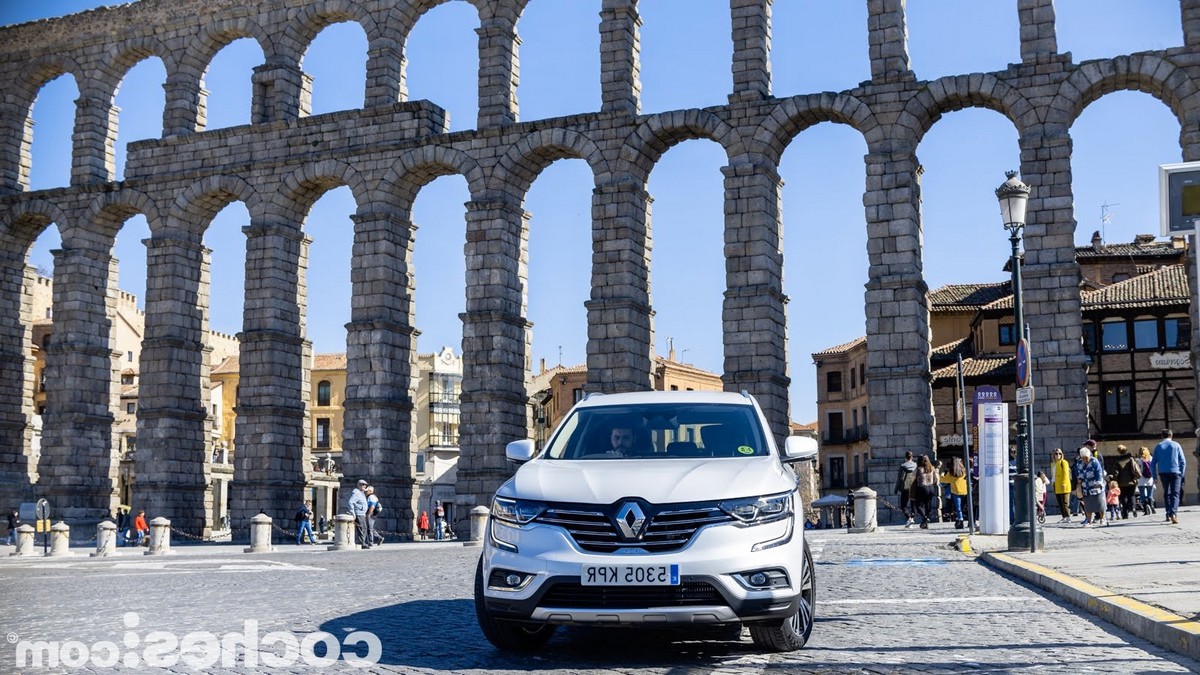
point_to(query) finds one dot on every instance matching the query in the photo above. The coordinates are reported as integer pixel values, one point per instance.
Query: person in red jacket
(423, 525)
(140, 526)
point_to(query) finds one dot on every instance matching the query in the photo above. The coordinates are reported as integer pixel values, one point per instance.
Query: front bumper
(709, 592)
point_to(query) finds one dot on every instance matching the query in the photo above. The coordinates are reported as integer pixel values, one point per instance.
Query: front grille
(575, 596)
(667, 530)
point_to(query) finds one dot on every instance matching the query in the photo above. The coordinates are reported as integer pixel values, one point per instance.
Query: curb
(1163, 628)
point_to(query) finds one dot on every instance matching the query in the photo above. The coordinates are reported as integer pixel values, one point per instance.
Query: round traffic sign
(1023, 363)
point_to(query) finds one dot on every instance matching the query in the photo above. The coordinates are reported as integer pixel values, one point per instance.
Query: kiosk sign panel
(993, 479)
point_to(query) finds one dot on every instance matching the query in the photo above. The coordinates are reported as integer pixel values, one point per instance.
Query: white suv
(657, 508)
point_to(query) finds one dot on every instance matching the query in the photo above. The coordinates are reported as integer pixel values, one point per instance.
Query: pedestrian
(358, 508)
(1040, 483)
(14, 521)
(1091, 487)
(1169, 465)
(1113, 499)
(141, 529)
(423, 525)
(439, 522)
(304, 524)
(1060, 477)
(1146, 482)
(374, 508)
(1128, 472)
(321, 524)
(925, 487)
(904, 487)
(956, 481)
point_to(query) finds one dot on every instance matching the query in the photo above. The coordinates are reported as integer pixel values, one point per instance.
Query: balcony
(846, 436)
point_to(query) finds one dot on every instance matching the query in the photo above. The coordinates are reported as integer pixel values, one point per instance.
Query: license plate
(629, 575)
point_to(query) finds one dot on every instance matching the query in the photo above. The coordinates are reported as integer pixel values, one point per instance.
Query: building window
(853, 378)
(1089, 337)
(323, 392)
(444, 388)
(577, 395)
(127, 379)
(420, 462)
(1007, 334)
(130, 408)
(835, 427)
(674, 387)
(837, 472)
(443, 428)
(1176, 333)
(1119, 413)
(833, 381)
(1119, 276)
(1145, 334)
(1114, 336)
(323, 432)
(129, 356)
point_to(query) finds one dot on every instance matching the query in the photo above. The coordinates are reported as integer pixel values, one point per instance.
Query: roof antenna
(1106, 215)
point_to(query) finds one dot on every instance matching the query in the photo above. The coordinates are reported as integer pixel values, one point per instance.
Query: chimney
(1143, 239)
(1097, 242)
(543, 366)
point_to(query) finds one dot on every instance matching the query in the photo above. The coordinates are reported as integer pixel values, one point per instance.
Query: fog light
(758, 579)
(513, 580)
(762, 580)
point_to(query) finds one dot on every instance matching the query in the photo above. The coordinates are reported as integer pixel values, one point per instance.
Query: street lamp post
(1023, 533)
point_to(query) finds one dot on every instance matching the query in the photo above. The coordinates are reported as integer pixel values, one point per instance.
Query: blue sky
(819, 45)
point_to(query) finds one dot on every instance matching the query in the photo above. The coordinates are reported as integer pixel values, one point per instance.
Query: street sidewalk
(1142, 574)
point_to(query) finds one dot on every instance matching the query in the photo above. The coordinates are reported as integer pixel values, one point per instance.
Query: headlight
(758, 510)
(517, 511)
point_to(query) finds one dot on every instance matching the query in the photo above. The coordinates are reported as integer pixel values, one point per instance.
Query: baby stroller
(1041, 512)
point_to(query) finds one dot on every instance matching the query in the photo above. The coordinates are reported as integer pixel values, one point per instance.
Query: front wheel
(791, 633)
(505, 634)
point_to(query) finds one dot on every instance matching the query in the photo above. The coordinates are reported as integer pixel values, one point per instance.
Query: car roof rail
(591, 394)
(745, 394)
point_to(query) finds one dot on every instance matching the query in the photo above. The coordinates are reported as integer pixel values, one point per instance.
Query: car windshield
(659, 431)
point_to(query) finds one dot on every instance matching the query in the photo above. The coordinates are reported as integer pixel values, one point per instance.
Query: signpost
(43, 523)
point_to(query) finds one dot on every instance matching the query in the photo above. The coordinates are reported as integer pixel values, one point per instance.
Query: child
(1113, 500)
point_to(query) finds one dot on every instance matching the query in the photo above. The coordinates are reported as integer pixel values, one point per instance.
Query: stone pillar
(1190, 15)
(620, 318)
(343, 533)
(498, 68)
(16, 133)
(1039, 40)
(385, 74)
(18, 470)
(106, 539)
(495, 407)
(381, 367)
(60, 540)
(160, 537)
(887, 35)
(271, 458)
(1189, 141)
(260, 535)
(1050, 285)
(897, 306)
(78, 472)
(620, 66)
(751, 50)
(754, 310)
(281, 92)
(95, 139)
(185, 111)
(24, 541)
(172, 474)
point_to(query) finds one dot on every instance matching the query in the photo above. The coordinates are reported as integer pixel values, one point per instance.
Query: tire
(791, 633)
(507, 635)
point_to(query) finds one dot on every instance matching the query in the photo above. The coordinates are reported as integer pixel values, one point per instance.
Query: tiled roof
(967, 296)
(329, 361)
(842, 348)
(950, 348)
(998, 366)
(542, 380)
(1150, 249)
(1164, 287)
(229, 365)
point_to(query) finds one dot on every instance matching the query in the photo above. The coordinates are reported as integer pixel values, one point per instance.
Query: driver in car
(622, 441)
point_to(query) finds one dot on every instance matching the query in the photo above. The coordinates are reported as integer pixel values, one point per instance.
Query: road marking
(895, 561)
(922, 601)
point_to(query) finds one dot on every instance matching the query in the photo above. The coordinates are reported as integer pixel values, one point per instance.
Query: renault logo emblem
(630, 520)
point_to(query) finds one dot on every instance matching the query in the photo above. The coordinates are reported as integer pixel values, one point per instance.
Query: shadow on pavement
(444, 635)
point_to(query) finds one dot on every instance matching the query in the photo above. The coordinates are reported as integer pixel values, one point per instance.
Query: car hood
(660, 481)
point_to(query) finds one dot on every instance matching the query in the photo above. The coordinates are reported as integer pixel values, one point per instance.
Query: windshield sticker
(745, 450)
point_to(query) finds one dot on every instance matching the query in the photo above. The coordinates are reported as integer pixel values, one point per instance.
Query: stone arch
(195, 207)
(121, 58)
(312, 19)
(108, 212)
(417, 168)
(27, 220)
(792, 116)
(37, 74)
(524, 161)
(647, 143)
(1146, 73)
(302, 188)
(951, 93)
(215, 36)
(404, 15)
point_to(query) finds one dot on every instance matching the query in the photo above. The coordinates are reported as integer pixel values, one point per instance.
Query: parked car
(650, 509)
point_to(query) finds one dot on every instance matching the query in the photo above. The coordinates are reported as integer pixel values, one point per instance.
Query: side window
(833, 381)
(323, 392)
(1145, 334)
(1114, 336)
(1007, 335)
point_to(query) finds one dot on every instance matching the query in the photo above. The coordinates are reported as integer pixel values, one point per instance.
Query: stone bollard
(60, 540)
(160, 536)
(479, 519)
(260, 534)
(864, 511)
(343, 533)
(24, 541)
(106, 538)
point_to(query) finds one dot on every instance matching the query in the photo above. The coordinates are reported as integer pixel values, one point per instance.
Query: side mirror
(798, 448)
(520, 451)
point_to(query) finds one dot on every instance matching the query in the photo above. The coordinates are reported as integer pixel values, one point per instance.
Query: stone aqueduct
(387, 150)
